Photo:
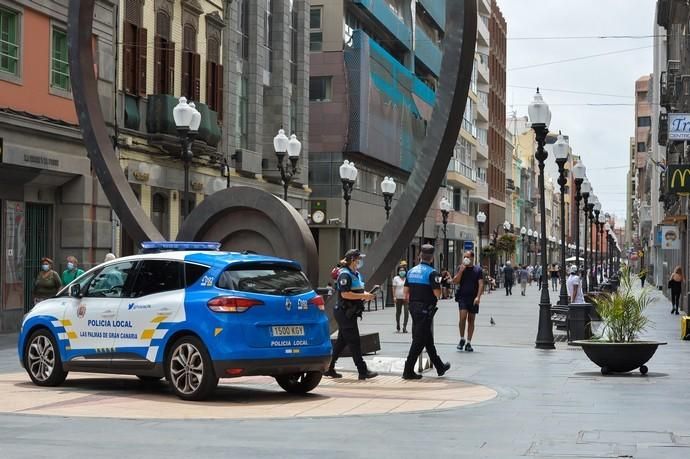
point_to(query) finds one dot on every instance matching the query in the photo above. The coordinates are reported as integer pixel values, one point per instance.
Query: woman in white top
(575, 287)
(400, 300)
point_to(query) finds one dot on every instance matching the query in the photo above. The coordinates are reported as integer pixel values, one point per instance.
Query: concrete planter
(619, 357)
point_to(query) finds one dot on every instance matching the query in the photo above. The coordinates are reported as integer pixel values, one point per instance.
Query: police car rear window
(192, 273)
(265, 279)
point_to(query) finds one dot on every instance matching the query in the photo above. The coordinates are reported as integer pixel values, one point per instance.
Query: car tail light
(232, 304)
(318, 302)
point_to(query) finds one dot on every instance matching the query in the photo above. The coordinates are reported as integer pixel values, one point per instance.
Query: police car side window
(192, 273)
(110, 281)
(156, 276)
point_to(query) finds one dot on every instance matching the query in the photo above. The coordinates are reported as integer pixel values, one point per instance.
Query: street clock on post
(318, 217)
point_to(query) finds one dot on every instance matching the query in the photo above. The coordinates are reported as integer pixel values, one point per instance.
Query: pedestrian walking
(643, 276)
(523, 278)
(469, 279)
(109, 257)
(675, 283)
(538, 273)
(72, 271)
(553, 271)
(47, 282)
(446, 281)
(530, 274)
(509, 277)
(401, 303)
(349, 306)
(574, 286)
(423, 289)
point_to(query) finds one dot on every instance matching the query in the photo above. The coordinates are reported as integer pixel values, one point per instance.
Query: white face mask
(360, 263)
(45, 267)
(466, 261)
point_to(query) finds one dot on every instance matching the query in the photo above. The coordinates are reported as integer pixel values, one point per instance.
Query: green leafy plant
(623, 312)
(507, 244)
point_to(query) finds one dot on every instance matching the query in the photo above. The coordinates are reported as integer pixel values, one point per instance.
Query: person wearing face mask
(400, 300)
(72, 271)
(47, 282)
(350, 305)
(470, 281)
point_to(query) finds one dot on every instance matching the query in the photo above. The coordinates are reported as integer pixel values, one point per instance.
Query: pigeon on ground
(492, 321)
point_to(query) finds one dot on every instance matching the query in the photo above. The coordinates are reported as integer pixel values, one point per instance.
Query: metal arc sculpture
(420, 192)
(99, 145)
(432, 162)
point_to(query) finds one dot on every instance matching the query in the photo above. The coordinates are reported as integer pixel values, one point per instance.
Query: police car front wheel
(299, 383)
(42, 360)
(189, 370)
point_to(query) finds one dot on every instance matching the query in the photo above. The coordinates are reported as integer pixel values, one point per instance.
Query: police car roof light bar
(167, 246)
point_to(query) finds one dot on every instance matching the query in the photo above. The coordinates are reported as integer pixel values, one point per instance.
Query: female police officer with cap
(350, 304)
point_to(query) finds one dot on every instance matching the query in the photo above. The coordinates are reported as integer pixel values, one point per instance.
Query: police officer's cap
(353, 254)
(427, 249)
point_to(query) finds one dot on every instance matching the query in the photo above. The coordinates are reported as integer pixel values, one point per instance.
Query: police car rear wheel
(42, 360)
(299, 383)
(189, 369)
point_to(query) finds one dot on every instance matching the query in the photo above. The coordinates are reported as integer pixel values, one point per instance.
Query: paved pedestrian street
(504, 400)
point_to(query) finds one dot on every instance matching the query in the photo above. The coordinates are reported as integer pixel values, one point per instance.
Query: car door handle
(108, 313)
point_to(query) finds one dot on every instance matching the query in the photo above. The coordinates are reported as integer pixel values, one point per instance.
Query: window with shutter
(164, 59)
(213, 76)
(191, 64)
(141, 62)
(134, 49)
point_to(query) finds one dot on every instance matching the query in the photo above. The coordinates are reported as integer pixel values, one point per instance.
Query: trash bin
(579, 322)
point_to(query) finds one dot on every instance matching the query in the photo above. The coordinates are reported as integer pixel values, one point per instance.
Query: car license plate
(288, 330)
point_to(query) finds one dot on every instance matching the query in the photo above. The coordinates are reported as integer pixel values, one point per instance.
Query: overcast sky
(599, 133)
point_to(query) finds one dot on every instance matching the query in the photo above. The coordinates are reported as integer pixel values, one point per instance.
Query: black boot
(368, 375)
(442, 369)
(331, 373)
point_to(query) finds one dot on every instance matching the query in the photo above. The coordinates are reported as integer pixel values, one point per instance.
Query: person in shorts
(470, 281)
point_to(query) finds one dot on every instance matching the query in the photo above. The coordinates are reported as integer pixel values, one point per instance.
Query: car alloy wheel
(299, 383)
(42, 360)
(189, 369)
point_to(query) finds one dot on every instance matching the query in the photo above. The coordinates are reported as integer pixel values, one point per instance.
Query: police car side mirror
(75, 291)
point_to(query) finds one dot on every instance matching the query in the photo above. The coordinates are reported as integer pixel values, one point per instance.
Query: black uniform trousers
(422, 337)
(348, 335)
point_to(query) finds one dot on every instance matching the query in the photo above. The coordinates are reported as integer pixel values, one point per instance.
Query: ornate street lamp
(291, 146)
(481, 219)
(601, 222)
(530, 243)
(540, 116)
(586, 192)
(607, 258)
(595, 254)
(590, 223)
(523, 233)
(446, 207)
(388, 187)
(187, 120)
(579, 172)
(348, 175)
(560, 151)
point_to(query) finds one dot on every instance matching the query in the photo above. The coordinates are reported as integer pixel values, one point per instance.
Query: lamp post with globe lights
(523, 233)
(481, 219)
(586, 190)
(348, 176)
(560, 151)
(540, 117)
(530, 236)
(388, 187)
(446, 207)
(595, 252)
(187, 120)
(601, 222)
(590, 223)
(293, 148)
(579, 172)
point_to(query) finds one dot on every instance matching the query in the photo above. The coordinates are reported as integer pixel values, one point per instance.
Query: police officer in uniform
(350, 305)
(423, 289)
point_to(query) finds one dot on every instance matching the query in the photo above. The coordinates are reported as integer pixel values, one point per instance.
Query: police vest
(420, 274)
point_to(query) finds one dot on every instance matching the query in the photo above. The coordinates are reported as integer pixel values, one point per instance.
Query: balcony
(483, 37)
(481, 193)
(437, 11)
(460, 174)
(483, 105)
(383, 14)
(483, 68)
(162, 130)
(428, 51)
(482, 150)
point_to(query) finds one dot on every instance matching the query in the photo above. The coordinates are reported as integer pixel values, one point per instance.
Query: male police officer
(423, 289)
(350, 305)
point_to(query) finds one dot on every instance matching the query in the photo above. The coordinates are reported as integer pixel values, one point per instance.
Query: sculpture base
(369, 342)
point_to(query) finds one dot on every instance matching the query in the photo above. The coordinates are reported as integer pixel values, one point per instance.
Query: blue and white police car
(184, 311)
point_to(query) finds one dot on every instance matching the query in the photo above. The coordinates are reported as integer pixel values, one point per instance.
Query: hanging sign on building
(678, 126)
(670, 237)
(678, 176)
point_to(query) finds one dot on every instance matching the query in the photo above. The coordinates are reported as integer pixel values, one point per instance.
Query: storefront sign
(679, 126)
(678, 176)
(670, 238)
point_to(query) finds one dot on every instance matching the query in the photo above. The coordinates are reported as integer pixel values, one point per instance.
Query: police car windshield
(265, 279)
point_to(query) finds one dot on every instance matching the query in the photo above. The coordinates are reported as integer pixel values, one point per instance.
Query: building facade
(373, 73)
(245, 65)
(50, 201)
